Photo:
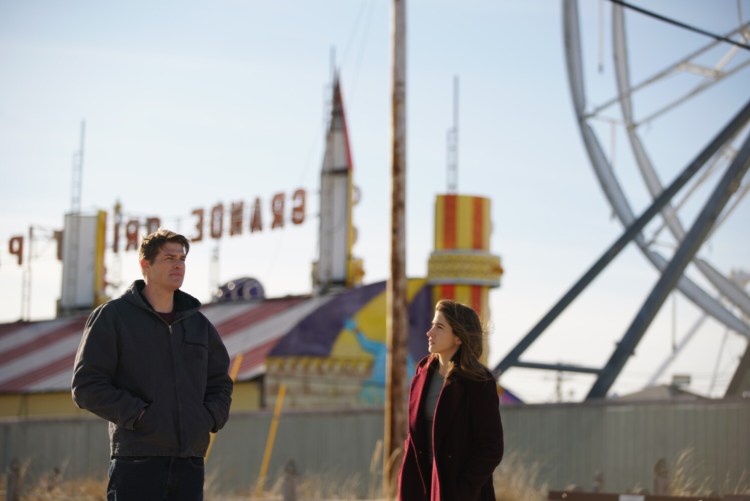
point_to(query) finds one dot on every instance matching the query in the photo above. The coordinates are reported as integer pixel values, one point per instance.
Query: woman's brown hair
(467, 327)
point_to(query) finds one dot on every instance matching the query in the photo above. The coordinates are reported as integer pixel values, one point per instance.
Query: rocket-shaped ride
(336, 267)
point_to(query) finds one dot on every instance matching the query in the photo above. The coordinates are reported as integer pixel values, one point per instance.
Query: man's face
(168, 269)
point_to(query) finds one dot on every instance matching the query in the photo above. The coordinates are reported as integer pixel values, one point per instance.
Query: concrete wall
(568, 443)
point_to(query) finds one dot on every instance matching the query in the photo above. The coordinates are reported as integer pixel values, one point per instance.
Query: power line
(681, 24)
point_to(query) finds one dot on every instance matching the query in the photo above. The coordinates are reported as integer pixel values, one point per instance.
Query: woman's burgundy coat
(467, 440)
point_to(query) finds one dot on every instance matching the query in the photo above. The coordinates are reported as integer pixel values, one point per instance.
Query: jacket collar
(184, 303)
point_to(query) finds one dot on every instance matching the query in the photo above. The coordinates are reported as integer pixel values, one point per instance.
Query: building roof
(39, 356)
(662, 392)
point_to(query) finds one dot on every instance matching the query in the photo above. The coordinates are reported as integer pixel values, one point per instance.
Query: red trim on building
(22, 381)
(260, 312)
(73, 328)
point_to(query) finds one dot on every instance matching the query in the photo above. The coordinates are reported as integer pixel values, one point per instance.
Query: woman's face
(440, 338)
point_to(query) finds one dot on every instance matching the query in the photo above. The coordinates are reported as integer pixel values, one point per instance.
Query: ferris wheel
(675, 92)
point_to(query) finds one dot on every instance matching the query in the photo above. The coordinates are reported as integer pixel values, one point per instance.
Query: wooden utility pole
(397, 324)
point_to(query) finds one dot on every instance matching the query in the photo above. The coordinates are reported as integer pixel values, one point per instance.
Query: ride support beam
(724, 136)
(558, 367)
(727, 186)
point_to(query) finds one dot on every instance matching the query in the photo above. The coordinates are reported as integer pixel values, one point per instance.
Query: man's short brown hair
(151, 244)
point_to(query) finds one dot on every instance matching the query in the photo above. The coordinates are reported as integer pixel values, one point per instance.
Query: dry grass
(516, 480)
(687, 481)
(53, 486)
(82, 490)
(684, 481)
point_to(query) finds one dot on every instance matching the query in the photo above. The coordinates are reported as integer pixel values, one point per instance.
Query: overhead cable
(681, 24)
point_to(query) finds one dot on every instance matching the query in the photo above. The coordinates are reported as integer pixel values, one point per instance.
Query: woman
(455, 438)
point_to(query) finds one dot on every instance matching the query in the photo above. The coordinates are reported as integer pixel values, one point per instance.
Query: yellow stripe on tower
(439, 223)
(464, 223)
(100, 280)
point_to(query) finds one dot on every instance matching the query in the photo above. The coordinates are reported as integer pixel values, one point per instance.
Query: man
(154, 367)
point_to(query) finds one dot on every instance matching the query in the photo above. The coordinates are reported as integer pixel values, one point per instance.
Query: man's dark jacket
(467, 440)
(130, 359)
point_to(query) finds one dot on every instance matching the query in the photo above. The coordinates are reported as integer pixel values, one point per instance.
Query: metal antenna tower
(73, 231)
(75, 201)
(26, 280)
(452, 140)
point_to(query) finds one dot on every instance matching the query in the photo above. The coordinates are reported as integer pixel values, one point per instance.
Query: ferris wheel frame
(727, 296)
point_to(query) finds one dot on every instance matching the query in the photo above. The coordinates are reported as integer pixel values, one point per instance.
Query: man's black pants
(155, 478)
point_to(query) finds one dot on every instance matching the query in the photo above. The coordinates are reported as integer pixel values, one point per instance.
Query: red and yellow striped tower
(461, 267)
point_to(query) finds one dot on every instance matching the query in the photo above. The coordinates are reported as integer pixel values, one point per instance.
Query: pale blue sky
(188, 104)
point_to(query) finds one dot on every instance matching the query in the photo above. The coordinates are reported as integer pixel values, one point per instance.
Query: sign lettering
(15, 248)
(218, 221)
